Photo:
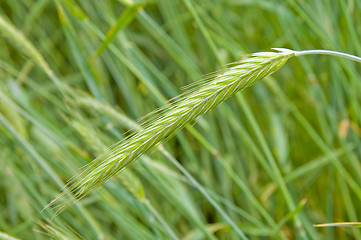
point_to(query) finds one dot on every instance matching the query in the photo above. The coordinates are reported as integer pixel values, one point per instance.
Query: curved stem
(329, 52)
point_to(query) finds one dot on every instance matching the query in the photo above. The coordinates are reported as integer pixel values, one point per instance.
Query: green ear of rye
(185, 109)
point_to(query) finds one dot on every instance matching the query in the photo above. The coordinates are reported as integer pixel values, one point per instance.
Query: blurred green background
(115, 61)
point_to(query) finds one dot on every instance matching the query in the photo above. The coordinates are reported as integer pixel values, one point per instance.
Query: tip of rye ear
(283, 50)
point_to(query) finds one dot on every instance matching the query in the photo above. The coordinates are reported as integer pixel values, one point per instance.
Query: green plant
(181, 111)
(268, 163)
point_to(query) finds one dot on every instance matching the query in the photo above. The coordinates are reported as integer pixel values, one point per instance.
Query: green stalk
(328, 52)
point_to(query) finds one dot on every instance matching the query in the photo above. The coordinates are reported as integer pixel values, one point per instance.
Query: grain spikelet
(184, 109)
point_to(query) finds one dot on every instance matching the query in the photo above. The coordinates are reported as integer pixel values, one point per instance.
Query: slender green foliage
(242, 171)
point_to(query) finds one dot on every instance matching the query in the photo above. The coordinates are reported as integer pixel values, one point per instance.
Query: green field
(272, 161)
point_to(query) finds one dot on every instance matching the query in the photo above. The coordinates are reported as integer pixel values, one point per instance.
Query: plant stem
(328, 52)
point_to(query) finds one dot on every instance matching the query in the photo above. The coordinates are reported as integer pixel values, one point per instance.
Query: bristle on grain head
(171, 119)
